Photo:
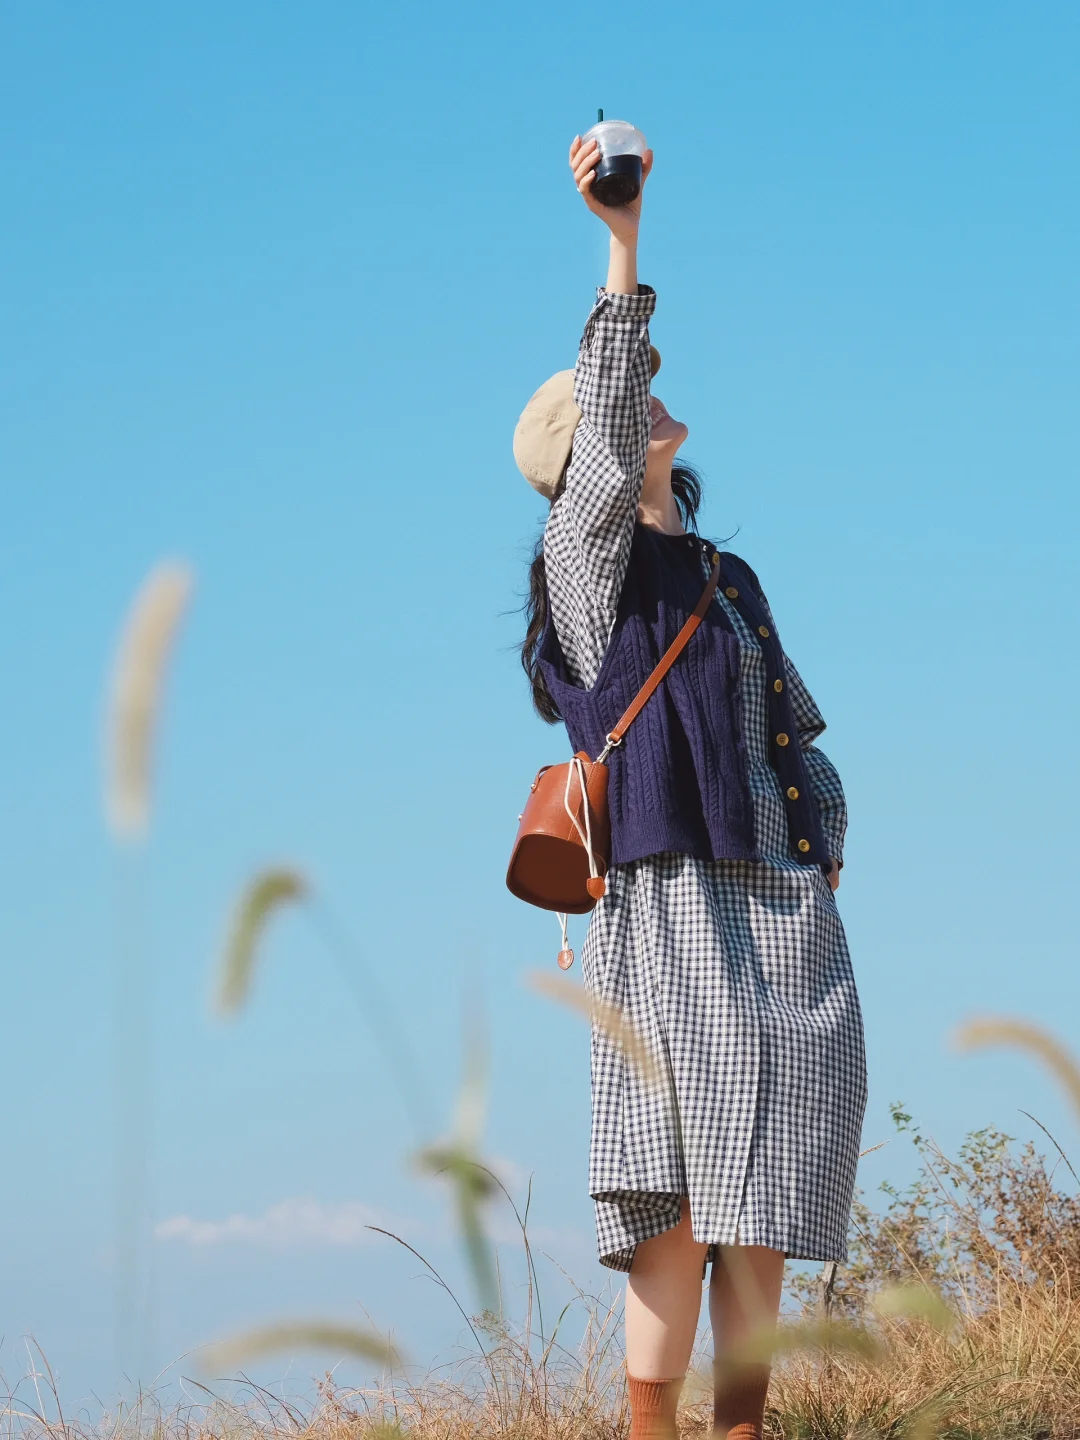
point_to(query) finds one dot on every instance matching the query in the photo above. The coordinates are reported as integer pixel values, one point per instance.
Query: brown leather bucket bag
(563, 844)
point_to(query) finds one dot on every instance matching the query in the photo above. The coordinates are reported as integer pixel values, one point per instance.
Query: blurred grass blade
(136, 693)
(982, 1033)
(925, 1422)
(459, 1161)
(267, 892)
(768, 1342)
(472, 1187)
(310, 1335)
(389, 1031)
(606, 1016)
(471, 1109)
(833, 1337)
(918, 1301)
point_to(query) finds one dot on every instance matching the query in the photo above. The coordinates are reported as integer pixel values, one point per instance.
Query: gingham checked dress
(735, 972)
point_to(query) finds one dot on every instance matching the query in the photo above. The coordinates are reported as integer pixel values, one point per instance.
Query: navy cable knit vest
(679, 781)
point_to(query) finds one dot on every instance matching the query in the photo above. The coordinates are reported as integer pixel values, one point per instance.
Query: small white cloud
(289, 1222)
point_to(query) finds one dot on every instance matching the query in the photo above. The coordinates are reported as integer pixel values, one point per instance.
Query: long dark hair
(686, 487)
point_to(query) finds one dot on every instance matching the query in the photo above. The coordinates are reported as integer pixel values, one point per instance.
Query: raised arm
(587, 540)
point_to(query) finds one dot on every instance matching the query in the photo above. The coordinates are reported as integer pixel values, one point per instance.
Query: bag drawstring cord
(576, 767)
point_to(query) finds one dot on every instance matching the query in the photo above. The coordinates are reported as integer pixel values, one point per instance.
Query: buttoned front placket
(785, 754)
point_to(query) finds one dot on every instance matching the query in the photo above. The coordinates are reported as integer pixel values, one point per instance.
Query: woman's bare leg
(744, 1300)
(663, 1302)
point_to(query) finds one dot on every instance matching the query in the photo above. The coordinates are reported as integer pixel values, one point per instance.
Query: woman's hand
(834, 875)
(621, 220)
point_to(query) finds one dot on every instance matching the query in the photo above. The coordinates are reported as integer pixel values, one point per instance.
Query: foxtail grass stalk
(133, 706)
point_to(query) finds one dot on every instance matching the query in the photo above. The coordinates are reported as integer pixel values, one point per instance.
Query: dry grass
(986, 1245)
(994, 1234)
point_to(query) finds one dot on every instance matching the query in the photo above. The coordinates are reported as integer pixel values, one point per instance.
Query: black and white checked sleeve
(824, 776)
(832, 804)
(588, 533)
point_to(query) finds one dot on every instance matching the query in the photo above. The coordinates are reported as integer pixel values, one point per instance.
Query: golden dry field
(957, 1316)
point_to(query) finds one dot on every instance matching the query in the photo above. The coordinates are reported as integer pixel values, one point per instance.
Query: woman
(718, 935)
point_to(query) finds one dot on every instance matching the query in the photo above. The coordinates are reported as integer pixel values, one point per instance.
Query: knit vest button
(778, 685)
(763, 631)
(804, 845)
(731, 593)
(793, 792)
(781, 739)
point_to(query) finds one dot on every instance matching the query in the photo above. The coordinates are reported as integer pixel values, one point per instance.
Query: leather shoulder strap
(670, 655)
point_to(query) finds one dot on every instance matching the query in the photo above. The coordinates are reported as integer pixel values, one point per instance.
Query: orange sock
(652, 1408)
(739, 1404)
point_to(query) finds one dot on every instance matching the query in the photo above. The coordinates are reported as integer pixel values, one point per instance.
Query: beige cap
(544, 436)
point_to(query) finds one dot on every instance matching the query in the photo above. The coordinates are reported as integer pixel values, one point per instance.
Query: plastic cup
(617, 178)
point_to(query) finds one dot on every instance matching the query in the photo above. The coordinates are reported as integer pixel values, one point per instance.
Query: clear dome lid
(616, 137)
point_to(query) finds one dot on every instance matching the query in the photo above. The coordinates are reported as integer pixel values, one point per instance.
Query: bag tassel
(566, 956)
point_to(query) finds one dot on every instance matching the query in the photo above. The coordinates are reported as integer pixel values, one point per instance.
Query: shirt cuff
(835, 846)
(628, 307)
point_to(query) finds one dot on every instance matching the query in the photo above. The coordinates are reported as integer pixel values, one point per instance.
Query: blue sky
(276, 281)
